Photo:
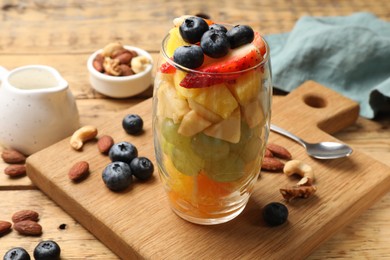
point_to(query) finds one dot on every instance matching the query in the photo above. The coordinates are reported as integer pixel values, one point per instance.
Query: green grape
(228, 169)
(169, 131)
(186, 161)
(209, 148)
(252, 150)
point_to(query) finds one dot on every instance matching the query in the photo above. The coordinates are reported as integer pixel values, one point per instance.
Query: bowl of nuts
(120, 71)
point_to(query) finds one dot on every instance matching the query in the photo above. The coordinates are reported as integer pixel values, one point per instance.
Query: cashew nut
(112, 66)
(139, 63)
(82, 135)
(111, 49)
(302, 169)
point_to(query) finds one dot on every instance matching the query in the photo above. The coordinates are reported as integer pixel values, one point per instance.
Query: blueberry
(117, 176)
(47, 250)
(218, 27)
(189, 56)
(123, 152)
(192, 29)
(275, 213)
(16, 253)
(240, 35)
(132, 124)
(215, 43)
(142, 168)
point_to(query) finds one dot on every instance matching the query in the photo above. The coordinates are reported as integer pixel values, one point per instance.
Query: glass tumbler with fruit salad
(211, 116)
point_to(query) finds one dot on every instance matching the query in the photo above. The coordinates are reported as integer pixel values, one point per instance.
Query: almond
(98, 63)
(5, 226)
(272, 164)
(124, 58)
(28, 228)
(13, 156)
(25, 215)
(15, 170)
(268, 153)
(105, 143)
(279, 151)
(79, 171)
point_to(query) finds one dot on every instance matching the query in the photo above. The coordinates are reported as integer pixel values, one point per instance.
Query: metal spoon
(323, 150)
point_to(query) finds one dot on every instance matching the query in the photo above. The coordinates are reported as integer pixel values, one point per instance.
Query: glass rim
(185, 69)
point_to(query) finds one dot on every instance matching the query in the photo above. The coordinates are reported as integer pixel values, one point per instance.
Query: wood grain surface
(346, 187)
(62, 34)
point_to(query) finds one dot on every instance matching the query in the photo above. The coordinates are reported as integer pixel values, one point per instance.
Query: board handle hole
(314, 101)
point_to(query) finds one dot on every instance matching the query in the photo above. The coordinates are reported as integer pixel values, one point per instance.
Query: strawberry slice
(238, 59)
(259, 43)
(167, 68)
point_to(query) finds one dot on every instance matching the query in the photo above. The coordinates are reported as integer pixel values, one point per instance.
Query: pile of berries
(125, 161)
(214, 41)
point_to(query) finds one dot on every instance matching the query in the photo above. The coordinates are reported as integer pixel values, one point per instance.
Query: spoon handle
(284, 132)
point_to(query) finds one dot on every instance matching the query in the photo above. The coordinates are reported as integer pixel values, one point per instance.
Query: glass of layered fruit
(211, 114)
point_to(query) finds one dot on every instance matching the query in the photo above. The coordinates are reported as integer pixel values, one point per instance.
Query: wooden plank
(145, 226)
(82, 26)
(74, 240)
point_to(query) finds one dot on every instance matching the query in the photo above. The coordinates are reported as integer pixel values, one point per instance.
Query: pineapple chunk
(204, 112)
(228, 129)
(169, 104)
(184, 92)
(192, 124)
(246, 87)
(253, 113)
(218, 99)
(175, 40)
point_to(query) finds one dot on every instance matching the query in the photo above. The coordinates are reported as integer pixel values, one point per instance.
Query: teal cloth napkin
(349, 54)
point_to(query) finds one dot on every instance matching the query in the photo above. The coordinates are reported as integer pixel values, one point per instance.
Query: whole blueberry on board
(117, 176)
(47, 250)
(142, 168)
(123, 152)
(16, 253)
(275, 214)
(132, 124)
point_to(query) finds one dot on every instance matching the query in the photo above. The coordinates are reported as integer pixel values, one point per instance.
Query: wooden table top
(62, 34)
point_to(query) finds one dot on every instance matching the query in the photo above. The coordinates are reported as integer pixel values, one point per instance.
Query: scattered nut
(15, 170)
(125, 57)
(126, 70)
(13, 156)
(28, 228)
(25, 215)
(79, 171)
(139, 63)
(268, 153)
(298, 192)
(302, 169)
(111, 66)
(5, 226)
(105, 143)
(98, 63)
(82, 135)
(279, 151)
(110, 49)
(272, 164)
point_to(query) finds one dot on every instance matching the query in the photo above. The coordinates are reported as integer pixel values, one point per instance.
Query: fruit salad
(211, 110)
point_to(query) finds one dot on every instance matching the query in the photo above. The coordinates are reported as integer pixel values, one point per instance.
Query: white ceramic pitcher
(37, 108)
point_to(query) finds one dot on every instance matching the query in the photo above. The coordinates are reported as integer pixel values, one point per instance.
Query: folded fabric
(349, 54)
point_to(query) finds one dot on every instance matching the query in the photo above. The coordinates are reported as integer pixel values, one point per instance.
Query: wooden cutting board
(138, 222)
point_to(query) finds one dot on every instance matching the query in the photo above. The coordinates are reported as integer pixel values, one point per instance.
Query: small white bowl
(120, 86)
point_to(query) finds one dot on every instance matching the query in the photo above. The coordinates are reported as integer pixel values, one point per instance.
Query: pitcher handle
(3, 72)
